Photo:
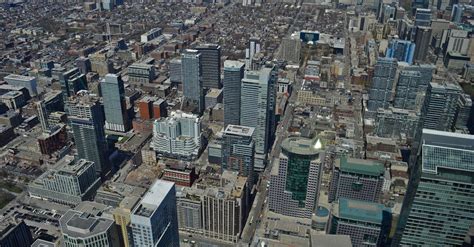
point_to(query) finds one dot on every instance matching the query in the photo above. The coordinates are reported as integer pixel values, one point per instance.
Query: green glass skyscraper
(439, 206)
(296, 177)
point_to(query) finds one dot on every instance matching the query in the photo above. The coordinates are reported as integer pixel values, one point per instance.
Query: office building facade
(113, 95)
(408, 90)
(402, 50)
(71, 182)
(380, 92)
(140, 73)
(233, 74)
(154, 220)
(210, 65)
(238, 150)
(13, 234)
(437, 208)
(28, 82)
(290, 50)
(356, 179)
(256, 109)
(191, 70)
(422, 42)
(88, 228)
(85, 115)
(442, 104)
(367, 223)
(296, 178)
(398, 123)
(175, 71)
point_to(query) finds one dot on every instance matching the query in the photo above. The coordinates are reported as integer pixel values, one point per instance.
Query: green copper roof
(359, 166)
(361, 211)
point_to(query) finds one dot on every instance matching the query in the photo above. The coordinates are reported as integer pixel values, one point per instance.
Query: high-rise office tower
(463, 116)
(13, 233)
(70, 182)
(296, 178)
(113, 93)
(437, 209)
(255, 109)
(367, 223)
(423, 17)
(42, 115)
(233, 74)
(72, 81)
(408, 90)
(442, 104)
(402, 50)
(356, 179)
(210, 65)
(192, 82)
(422, 42)
(457, 13)
(238, 150)
(178, 135)
(253, 48)
(154, 220)
(84, 65)
(175, 71)
(86, 117)
(380, 92)
(86, 226)
(290, 49)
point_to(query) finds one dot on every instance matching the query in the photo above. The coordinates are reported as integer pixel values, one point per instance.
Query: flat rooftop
(448, 139)
(302, 146)
(361, 210)
(153, 198)
(360, 166)
(18, 77)
(239, 130)
(232, 64)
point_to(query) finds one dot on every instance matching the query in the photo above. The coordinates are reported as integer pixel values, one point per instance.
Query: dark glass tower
(86, 117)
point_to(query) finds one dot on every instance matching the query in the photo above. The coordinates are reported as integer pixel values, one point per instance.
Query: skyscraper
(256, 109)
(239, 150)
(437, 209)
(402, 50)
(380, 92)
(175, 71)
(442, 104)
(192, 82)
(423, 17)
(295, 179)
(72, 81)
(233, 74)
(113, 94)
(356, 179)
(42, 115)
(463, 116)
(210, 65)
(86, 117)
(408, 89)
(422, 42)
(154, 220)
(290, 49)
